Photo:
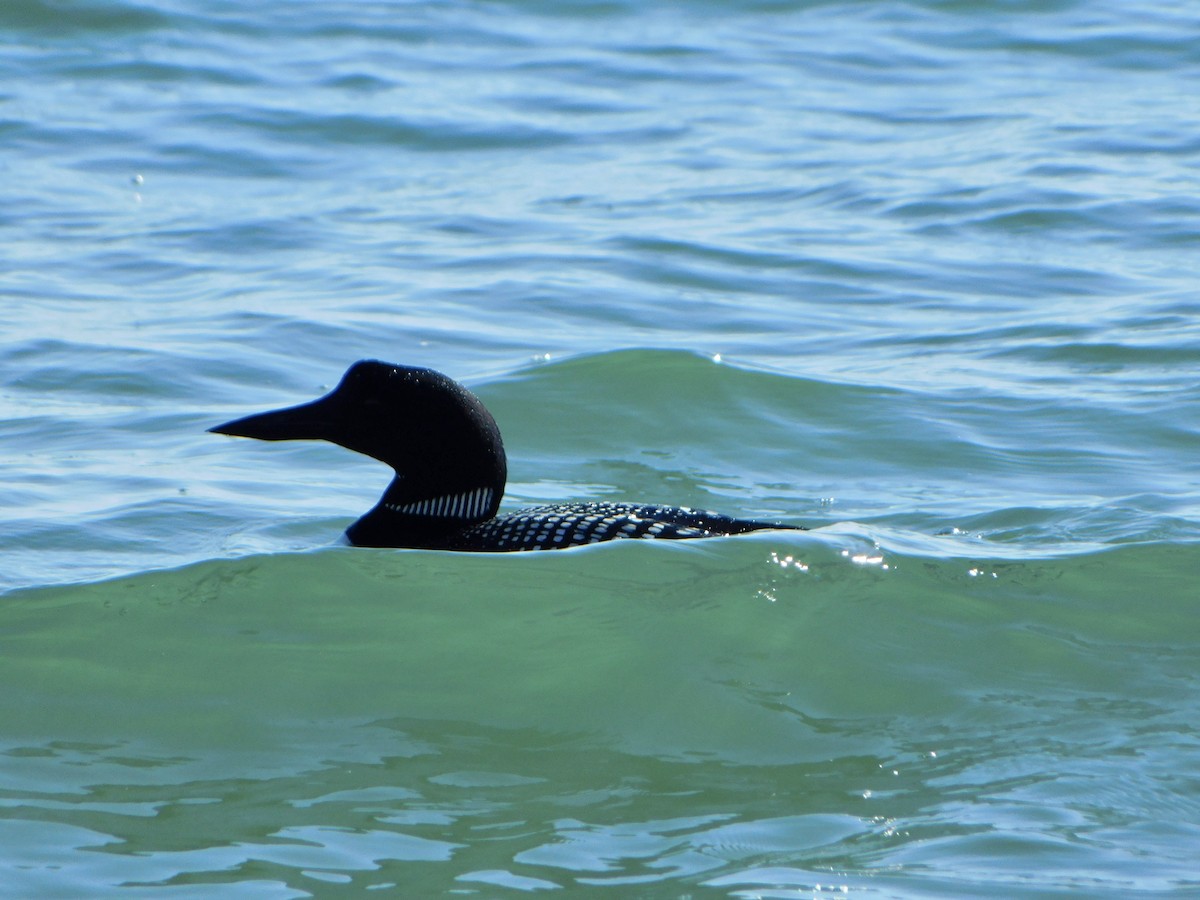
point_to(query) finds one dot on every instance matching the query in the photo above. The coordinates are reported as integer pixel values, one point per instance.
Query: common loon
(451, 470)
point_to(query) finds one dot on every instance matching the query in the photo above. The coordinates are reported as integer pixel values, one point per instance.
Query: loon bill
(451, 470)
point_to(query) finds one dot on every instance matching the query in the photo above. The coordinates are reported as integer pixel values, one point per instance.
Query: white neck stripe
(467, 505)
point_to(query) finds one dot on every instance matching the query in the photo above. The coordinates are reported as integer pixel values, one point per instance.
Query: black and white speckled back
(571, 524)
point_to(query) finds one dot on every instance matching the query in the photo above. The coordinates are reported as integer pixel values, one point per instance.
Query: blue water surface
(920, 276)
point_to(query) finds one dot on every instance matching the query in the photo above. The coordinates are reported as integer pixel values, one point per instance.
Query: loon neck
(423, 517)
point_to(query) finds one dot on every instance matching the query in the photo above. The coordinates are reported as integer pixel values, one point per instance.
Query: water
(920, 276)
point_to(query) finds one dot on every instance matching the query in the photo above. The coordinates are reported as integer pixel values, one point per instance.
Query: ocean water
(920, 276)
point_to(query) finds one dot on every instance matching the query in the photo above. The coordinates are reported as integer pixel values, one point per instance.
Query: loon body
(451, 470)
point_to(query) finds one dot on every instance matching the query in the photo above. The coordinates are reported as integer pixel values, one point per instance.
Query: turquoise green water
(691, 719)
(918, 276)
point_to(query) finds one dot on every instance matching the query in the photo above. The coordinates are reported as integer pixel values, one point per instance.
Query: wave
(735, 713)
(767, 633)
(650, 425)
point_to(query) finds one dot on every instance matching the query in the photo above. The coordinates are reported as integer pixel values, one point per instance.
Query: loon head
(442, 443)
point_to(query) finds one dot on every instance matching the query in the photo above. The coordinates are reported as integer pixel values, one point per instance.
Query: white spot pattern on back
(568, 525)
